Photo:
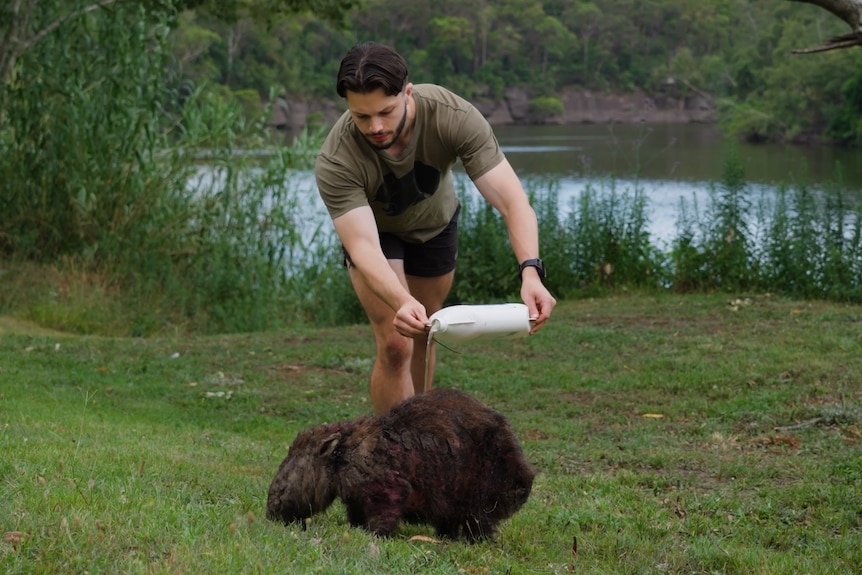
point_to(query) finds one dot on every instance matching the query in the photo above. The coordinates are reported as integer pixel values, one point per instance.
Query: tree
(451, 47)
(585, 19)
(28, 22)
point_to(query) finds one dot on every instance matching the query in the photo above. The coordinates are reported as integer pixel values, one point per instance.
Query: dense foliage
(737, 51)
(130, 176)
(125, 130)
(799, 243)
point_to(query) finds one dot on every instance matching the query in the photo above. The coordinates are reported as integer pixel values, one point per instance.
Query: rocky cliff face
(581, 107)
(587, 107)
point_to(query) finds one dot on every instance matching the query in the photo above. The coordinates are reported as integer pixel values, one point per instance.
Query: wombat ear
(328, 445)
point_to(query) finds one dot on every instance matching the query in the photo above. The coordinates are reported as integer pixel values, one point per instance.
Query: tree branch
(850, 11)
(62, 20)
(18, 38)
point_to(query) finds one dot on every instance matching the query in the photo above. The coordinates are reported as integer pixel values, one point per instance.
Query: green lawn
(673, 434)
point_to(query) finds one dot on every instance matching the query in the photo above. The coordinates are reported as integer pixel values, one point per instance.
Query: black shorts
(433, 258)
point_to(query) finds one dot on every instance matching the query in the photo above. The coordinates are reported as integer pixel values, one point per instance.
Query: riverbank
(581, 107)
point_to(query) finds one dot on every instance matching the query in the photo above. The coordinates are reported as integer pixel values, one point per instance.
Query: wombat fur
(440, 458)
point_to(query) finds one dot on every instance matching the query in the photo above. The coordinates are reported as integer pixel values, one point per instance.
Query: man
(385, 175)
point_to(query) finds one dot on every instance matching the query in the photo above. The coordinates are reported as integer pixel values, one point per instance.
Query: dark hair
(369, 66)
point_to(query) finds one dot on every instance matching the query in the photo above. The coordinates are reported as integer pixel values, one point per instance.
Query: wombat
(440, 458)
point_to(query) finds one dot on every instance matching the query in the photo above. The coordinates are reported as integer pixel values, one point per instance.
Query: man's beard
(395, 135)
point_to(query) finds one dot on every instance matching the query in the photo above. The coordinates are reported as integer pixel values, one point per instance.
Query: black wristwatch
(533, 263)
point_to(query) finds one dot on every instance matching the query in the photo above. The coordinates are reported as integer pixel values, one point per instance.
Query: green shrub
(249, 102)
(544, 108)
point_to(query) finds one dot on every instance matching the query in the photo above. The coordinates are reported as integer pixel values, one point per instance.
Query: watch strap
(532, 263)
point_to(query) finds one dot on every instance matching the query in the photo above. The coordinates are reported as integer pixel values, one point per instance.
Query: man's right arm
(357, 231)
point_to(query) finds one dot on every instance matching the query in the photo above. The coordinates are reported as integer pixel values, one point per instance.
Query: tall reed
(797, 242)
(814, 247)
(80, 134)
(714, 250)
(600, 241)
(113, 170)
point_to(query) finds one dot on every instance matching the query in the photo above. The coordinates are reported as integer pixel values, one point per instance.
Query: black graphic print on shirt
(398, 194)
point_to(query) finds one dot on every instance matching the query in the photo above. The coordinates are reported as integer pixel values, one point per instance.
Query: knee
(395, 351)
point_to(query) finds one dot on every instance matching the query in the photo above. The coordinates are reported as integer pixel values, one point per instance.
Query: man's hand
(411, 320)
(538, 299)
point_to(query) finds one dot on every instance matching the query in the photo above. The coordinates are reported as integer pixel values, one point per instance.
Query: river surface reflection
(678, 152)
(670, 165)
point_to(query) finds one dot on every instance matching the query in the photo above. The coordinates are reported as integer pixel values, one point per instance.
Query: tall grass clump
(814, 246)
(155, 191)
(601, 242)
(487, 270)
(795, 242)
(607, 241)
(716, 250)
(79, 137)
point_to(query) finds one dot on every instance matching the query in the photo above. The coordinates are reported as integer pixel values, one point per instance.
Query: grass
(673, 434)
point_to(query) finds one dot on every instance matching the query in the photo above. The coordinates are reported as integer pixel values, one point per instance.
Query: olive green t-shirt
(412, 196)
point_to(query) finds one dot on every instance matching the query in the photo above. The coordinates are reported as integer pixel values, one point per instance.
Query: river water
(670, 164)
(671, 152)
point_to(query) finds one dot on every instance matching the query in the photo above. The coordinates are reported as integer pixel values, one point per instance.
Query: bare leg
(399, 367)
(390, 375)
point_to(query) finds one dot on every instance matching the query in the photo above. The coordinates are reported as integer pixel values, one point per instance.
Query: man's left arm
(501, 187)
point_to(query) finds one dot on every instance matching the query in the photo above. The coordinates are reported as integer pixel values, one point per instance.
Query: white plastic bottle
(460, 323)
